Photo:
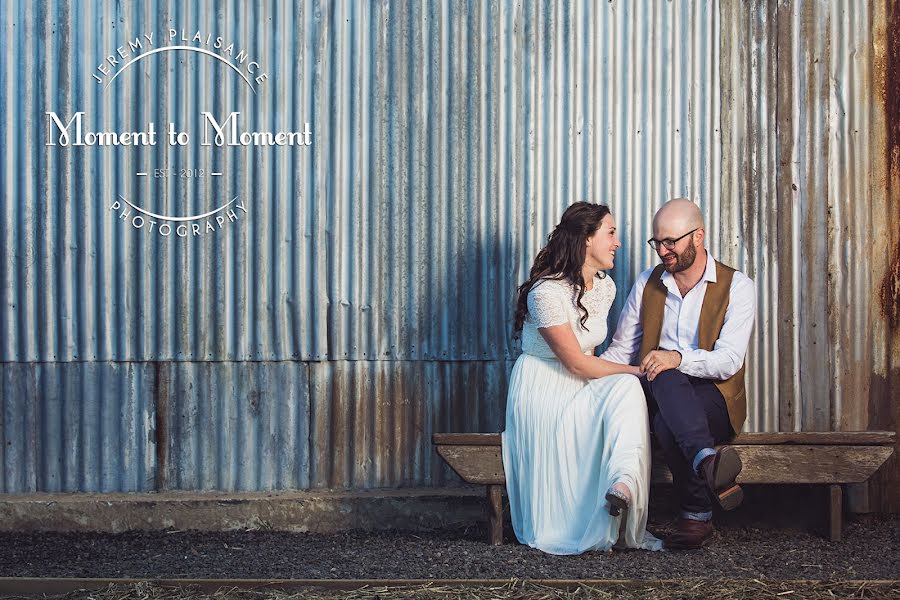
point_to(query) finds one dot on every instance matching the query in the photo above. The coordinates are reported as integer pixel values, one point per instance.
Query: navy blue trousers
(687, 414)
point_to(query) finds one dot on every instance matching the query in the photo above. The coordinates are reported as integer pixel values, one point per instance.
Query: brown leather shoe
(689, 535)
(719, 471)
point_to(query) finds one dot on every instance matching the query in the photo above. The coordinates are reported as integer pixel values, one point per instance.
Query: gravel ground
(749, 544)
(869, 551)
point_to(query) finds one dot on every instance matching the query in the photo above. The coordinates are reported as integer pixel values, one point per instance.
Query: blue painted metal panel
(77, 427)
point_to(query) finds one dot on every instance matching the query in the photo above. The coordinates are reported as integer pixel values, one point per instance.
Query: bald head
(675, 218)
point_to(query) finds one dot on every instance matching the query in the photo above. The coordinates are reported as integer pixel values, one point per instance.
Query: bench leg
(495, 514)
(835, 512)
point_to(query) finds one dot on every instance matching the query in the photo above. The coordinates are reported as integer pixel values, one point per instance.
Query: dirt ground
(776, 535)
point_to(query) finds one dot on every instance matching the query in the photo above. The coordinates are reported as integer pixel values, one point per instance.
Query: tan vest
(712, 317)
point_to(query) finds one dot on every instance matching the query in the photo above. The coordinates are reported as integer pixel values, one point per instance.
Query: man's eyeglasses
(668, 243)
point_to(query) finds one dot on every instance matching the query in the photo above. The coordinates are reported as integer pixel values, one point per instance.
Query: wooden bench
(828, 458)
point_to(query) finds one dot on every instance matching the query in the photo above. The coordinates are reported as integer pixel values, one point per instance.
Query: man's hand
(658, 361)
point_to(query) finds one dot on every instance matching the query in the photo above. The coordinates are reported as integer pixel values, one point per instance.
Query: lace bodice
(552, 302)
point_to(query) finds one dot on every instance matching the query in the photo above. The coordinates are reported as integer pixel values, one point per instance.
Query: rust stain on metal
(890, 292)
(890, 286)
(886, 484)
(892, 86)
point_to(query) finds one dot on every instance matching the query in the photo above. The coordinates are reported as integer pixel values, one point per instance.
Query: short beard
(683, 261)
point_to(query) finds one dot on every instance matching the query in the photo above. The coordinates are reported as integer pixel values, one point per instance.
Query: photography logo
(181, 180)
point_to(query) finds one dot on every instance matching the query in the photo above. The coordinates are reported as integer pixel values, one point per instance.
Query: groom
(688, 322)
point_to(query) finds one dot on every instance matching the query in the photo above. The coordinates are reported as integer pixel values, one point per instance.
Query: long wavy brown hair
(563, 256)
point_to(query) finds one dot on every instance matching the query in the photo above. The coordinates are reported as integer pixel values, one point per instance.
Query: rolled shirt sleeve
(727, 355)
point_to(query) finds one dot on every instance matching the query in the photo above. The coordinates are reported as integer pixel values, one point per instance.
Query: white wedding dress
(567, 439)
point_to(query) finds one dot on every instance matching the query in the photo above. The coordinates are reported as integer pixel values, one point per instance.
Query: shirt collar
(709, 275)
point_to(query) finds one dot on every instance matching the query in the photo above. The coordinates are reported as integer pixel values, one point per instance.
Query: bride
(576, 448)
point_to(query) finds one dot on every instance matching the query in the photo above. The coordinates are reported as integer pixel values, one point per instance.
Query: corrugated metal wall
(363, 301)
(448, 137)
(803, 170)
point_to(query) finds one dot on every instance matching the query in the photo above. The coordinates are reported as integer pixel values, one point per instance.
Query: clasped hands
(658, 361)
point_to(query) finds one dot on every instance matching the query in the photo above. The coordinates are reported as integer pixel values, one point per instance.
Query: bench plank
(800, 464)
(830, 438)
(818, 438)
(483, 464)
(475, 464)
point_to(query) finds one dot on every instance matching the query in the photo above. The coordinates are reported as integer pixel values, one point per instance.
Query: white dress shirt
(680, 325)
